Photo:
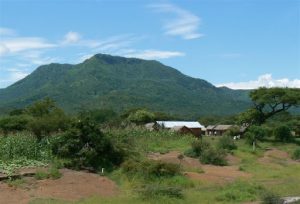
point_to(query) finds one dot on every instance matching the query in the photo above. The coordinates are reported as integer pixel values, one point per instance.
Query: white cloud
(185, 23)
(14, 75)
(6, 32)
(153, 54)
(14, 45)
(71, 37)
(265, 80)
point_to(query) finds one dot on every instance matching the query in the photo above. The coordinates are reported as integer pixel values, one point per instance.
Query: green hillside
(105, 81)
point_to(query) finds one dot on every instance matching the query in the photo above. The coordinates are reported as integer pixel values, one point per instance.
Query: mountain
(105, 81)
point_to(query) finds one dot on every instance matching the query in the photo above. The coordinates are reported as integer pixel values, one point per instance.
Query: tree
(13, 123)
(87, 147)
(46, 118)
(283, 133)
(141, 117)
(270, 101)
(255, 134)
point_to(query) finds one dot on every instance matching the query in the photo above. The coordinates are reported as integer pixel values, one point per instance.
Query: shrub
(296, 154)
(198, 147)
(255, 134)
(233, 131)
(226, 142)
(13, 123)
(87, 147)
(161, 169)
(53, 172)
(141, 117)
(240, 191)
(153, 191)
(150, 169)
(213, 156)
(271, 198)
(283, 134)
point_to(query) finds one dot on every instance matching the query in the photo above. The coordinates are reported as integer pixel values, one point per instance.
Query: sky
(242, 44)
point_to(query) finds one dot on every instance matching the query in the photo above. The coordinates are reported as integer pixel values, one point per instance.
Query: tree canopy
(269, 101)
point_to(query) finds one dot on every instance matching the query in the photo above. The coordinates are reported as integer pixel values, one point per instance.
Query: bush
(13, 124)
(150, 169)
(271, 198)
(87, 147)
(296, 154)
(226, 142)
(213, 156)
(152, 191)
(162, 169)
(283, 134)
(240, 191)
(198, 147)
(141, 117)
(255, 134)
(53, 172)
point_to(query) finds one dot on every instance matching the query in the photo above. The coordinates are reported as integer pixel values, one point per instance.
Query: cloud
(14, 75)
(71, 37)
(265, 80)
(6, 32)
(153, 54)
(14, 45)
(185, 24)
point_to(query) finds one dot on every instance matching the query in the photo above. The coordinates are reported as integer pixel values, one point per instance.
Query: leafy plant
(87, 147)
(154, 191)
(283, 134)
(271, 198)
(226, 142)
(296, 154)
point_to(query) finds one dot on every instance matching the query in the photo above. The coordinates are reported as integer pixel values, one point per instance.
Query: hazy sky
(238, 43)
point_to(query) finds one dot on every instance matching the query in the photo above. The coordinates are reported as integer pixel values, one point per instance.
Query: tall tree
(269, 101)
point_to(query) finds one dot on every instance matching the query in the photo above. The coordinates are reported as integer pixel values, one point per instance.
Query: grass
(278, 176)
(145, 141)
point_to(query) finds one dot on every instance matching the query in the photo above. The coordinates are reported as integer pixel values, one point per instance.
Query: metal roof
(222, 127)
(171, 124)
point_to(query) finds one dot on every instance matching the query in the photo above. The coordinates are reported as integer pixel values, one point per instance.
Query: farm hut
(221, 129)
(194, 127)
(181, 130)
(210, 130)
(149, 126)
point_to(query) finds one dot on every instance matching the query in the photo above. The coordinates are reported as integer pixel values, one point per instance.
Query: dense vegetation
(43, 134)
(121, 83)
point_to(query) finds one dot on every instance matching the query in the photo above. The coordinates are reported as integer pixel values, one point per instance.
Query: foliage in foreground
(296, 154)
(240, 191)
(207, 153)
(87, 147)
(22, 150)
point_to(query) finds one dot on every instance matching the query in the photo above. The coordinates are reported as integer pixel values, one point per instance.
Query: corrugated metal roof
(210, 127)
(171, 124)
(222, 127)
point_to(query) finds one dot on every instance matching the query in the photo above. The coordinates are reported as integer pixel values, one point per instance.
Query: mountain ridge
(105, 81)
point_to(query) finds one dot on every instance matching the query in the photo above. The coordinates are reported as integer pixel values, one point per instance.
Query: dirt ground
(73, 185)
(212, 174)
(276, 156)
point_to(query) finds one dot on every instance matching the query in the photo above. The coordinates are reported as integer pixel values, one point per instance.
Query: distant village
(194, 128)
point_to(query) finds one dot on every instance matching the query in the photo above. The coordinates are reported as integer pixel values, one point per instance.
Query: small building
(210, 130)
(221, 129)
(217, 130)
(149, 126)
(181, 130)
(183, 126)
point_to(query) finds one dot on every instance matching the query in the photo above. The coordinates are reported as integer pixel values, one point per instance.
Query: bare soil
(73, 185)
(277, 157)
(212, 174)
